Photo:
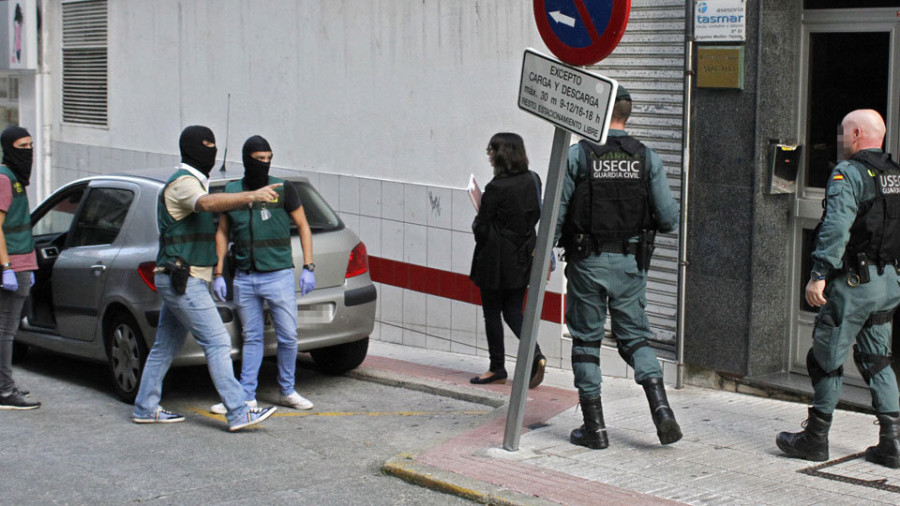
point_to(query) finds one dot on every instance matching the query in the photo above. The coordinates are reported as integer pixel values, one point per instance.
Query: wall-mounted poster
(20, 27)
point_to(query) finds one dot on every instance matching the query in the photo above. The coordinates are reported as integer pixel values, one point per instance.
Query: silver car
(96, 242)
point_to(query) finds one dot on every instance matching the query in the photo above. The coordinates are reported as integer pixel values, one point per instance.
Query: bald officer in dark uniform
(854, 282)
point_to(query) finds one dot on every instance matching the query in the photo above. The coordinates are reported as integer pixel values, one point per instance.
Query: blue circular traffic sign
(581, 32)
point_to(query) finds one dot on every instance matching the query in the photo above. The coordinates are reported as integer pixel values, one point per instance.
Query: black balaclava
(18, 160)
(256, 173)
(193, 152)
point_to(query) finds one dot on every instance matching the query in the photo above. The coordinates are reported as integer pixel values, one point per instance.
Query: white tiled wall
(428, 226)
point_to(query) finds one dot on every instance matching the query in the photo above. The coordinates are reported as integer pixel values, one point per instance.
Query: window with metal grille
(84, 62)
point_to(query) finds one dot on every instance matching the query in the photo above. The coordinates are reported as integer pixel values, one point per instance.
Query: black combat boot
(812, 443)
(887, 452)
(667, 429)
(593, 433)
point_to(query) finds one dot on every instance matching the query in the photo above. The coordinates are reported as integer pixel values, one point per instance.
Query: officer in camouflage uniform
(854, 282)
(614, 198)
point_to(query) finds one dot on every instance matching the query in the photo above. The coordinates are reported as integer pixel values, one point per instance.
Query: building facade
(387, 106)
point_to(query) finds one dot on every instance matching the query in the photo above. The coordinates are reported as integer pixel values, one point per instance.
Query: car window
(101, 216)
(318, 213)
(58, 219)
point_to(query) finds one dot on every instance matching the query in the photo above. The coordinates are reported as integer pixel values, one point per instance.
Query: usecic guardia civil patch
(616, 165)
(888, 183)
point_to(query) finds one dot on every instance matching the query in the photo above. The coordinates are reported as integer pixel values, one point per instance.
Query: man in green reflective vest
(16, 256)
(184, 267)
(264, 271)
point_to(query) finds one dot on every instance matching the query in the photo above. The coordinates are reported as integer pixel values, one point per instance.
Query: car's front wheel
(127, 353)
(340, 358)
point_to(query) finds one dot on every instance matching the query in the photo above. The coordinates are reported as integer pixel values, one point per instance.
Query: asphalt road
(81, 447)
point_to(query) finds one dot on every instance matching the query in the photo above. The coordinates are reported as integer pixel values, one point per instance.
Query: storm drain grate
(837, 466)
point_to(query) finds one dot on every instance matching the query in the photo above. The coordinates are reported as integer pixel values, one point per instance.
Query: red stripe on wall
(445, 284)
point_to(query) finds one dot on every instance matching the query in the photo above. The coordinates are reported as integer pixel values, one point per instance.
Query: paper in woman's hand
(474, 192)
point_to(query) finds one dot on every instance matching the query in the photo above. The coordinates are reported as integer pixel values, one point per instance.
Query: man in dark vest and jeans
(854, 282)
(264, 272)
(184, 268)
(614, 199)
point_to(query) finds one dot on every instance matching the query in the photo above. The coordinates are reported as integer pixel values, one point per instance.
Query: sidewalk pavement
(727, 456)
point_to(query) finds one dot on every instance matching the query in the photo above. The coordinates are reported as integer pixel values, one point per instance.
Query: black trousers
(508, 304)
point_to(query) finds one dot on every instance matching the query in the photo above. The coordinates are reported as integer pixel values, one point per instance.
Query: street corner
(405, 467)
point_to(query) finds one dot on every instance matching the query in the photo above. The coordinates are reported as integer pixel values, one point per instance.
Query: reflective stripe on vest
(17, 225)
(261, 245)
(192, 238)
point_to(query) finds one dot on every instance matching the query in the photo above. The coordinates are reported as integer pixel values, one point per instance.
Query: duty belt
(623, 247)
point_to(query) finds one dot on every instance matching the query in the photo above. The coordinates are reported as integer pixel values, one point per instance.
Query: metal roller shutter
(649, 61)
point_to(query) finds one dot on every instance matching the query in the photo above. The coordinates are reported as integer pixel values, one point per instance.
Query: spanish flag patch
(838, 177)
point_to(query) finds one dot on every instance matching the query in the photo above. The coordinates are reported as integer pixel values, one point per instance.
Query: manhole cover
(854, 469)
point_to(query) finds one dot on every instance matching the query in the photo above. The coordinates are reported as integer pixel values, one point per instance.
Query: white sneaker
(296, 401)
(220, 408)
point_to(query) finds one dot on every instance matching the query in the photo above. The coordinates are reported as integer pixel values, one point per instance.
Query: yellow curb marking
(471, 412)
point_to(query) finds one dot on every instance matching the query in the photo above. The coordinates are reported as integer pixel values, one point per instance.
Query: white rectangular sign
(720, 21)
(568, 97)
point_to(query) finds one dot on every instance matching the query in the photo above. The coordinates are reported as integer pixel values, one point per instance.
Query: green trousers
(840, 322)
(608, 281)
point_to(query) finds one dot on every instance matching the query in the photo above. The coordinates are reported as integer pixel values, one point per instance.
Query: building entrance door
(849, 61)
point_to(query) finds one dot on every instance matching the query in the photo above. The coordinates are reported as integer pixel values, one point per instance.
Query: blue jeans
(196, 312)
(276, 289)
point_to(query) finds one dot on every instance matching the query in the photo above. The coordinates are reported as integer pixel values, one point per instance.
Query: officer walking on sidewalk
(187, 254)
(854, 282)
(614, 199)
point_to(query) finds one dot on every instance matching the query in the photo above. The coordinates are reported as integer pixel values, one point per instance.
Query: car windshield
(319, 215)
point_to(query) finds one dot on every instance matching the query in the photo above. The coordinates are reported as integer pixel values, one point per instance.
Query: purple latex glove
(219, 288)
(307, 282)
(9, 280)
(31, 279)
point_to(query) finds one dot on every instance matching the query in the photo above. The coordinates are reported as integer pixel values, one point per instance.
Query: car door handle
(98, 267)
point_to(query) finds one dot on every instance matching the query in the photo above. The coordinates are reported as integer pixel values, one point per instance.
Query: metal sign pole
(549, 213)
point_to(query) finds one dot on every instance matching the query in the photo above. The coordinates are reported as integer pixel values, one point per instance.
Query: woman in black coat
(504, 248)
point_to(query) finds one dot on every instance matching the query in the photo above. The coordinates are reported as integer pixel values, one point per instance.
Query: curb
(405, 467)
(428, 386)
